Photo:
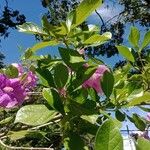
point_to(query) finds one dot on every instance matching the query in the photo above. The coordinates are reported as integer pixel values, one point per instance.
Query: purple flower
(30, 79)
(12, 93)
(94, 80)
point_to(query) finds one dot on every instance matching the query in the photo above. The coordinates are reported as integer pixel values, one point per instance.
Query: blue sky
(33, 12)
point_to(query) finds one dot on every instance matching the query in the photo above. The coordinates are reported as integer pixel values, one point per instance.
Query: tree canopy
(133, 11)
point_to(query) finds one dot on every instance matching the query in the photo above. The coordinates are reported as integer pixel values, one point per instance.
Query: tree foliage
(1, 60)
(134, 11)
(9, 19)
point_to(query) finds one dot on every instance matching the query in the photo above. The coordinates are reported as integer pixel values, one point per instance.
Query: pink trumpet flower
(94, 80)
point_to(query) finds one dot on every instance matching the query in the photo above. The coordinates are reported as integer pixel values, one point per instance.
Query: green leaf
(45, 77)
(146, 109)
(134, 37)
(61, 73)
(16, 135)
(73, 142)
(83, 74)
(53, 99)
(62, 29)
(93, 94)
(47, 27)
(69, 20)
(27, 54)
(34, 115)
(126, 52)
(142, 144)
(139, 100)
(55, 31)
(84, 10)
(139, 122)
(85, 126)
(95, 61)
(71, 57)
(75, 108)
(146, 40)
(119, 115)
(43, 45)
(11, 71)
(108, 137)
(97, 39)
(107, 83)
(90, 118)
(31, 28)
(6, 120)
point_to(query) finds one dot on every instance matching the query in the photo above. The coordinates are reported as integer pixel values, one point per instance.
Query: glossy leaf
(31, 28)
(53, 99)
(71, 57)
(119, 115)
(16, 135)
(83, 74)
(90, 118)
(146, 40)
(142, 144)
(108, 137)
(45, 77)
(126, 52)
(43, 45)
(47, 27)
(97, 39)
(139, 122)
(107, 83)
(139, 100)
(85, 8)
(34, 115)
(69, 20)
(61, 73)
(134, 37)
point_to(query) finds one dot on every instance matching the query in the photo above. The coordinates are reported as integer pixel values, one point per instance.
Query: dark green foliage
(1, 60)
(9, 18)
(58, 9)
(131, 13)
